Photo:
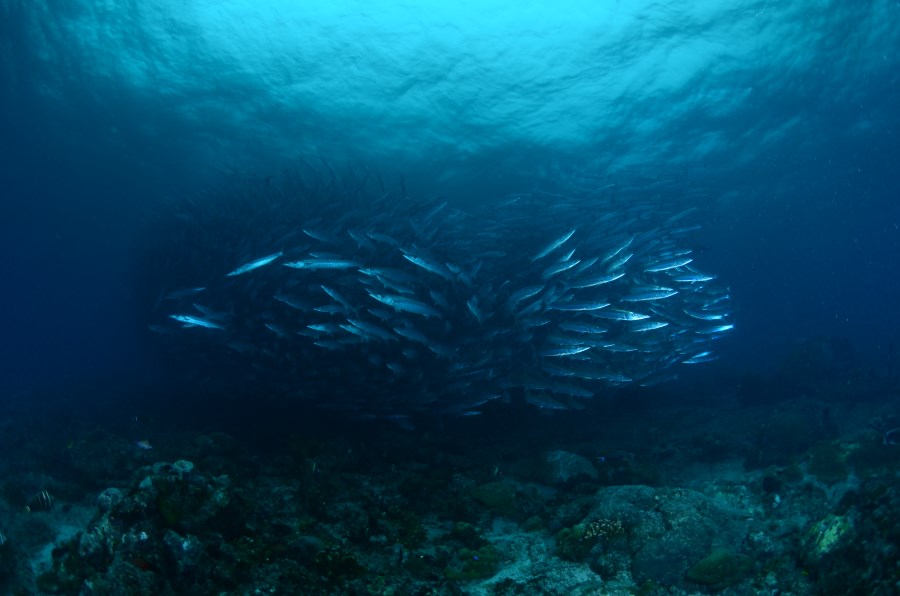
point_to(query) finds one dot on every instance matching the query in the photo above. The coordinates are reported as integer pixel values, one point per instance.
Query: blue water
(785, 113)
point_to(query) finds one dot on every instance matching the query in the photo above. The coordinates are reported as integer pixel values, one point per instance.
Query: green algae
(720, 569)
(471, 564)
(828, 462)
(498, 496)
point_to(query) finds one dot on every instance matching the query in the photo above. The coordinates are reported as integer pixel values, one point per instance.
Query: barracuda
(323, 264)
(261, 262)
(192, 321)
(392, 305)
(407, 305)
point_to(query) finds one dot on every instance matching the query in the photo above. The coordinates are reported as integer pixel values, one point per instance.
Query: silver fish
(554, 245)
(666, 265)
(619, 315)
(323, 264)
(406, 305)
(647, 295)
(260, 262)
(564, 351)
(579, 306)
(192, 321)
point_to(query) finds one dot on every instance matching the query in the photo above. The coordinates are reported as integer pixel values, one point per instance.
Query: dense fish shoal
(327, 290)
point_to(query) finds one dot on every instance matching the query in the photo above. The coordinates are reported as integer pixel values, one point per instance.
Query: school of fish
(389, 306)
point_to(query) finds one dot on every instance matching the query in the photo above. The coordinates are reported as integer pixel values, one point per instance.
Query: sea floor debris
(707, 495)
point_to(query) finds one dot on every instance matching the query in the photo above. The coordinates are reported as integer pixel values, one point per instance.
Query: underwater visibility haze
(449, 297)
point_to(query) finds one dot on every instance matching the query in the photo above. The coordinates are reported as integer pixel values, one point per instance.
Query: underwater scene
(436, 298)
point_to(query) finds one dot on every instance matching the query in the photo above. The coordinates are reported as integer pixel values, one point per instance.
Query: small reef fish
(41, 501)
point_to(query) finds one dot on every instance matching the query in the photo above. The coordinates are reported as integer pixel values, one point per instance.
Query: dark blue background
(806, 231)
